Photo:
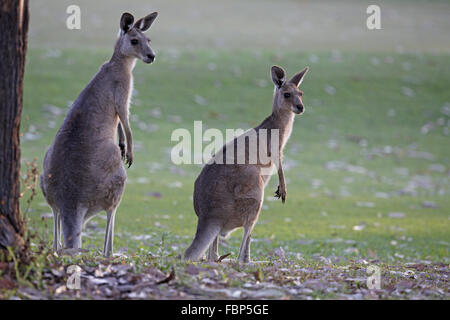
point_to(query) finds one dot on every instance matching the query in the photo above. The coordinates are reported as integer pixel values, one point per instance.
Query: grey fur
(83, 171)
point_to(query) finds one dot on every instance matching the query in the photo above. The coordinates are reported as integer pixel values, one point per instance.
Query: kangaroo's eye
(134, 42)
(287, 95)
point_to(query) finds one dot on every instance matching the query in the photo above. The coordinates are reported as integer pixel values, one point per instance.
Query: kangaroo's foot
(244, 260)
(213, 252)
(244, 252)
(71, 251)
(204, 237)
(109, 234)
(212, 257)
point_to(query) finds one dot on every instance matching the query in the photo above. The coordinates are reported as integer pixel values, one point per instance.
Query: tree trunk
(13, 45)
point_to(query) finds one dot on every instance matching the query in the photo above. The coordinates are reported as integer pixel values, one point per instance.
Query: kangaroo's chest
(129, 91)
(285, 137)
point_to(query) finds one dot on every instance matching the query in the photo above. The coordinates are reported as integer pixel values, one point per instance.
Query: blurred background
(367, 165)
(407, 25)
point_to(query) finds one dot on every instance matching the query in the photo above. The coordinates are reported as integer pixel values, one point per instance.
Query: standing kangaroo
(230, 195)
(83, 170)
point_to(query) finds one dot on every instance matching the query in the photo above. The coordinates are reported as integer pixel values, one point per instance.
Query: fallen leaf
(6, 283)
(60, 290)
(259, 275)
(223, 257)
(169, 278)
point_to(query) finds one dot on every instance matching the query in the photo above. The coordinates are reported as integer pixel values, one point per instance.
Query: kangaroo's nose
(151, 57)
(300, 108)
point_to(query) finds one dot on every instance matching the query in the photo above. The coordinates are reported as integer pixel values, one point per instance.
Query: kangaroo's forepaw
(281, 193)
(129, 160)
(122, 150)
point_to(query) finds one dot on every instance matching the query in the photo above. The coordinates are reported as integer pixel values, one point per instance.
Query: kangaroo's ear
(126, 22)
(297, 79)
(278, 76)
(145, 23)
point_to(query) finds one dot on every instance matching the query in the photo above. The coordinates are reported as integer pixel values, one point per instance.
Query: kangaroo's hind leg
(72, 225)
(207, 231)
(109, 235)
(56, 229)
(244, 251)
(213, 252)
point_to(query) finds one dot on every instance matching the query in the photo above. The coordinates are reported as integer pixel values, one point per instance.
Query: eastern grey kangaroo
(83, 170)
(229, 194)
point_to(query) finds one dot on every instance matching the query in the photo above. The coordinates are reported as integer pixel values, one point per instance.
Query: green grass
(318, 218)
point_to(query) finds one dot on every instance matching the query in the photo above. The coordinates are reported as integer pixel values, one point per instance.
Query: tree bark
(13, 44)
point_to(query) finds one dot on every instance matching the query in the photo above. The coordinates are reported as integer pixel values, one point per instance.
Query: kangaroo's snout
(150, 58)
(299, 109)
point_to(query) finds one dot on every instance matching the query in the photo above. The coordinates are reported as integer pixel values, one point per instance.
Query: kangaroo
(83, 171)
(229, 195)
